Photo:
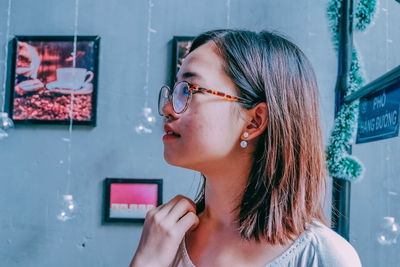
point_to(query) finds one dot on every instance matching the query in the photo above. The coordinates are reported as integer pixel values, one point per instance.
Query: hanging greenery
(365, 13)
(340, 164)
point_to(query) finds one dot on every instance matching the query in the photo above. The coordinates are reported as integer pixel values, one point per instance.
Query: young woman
(244, 113)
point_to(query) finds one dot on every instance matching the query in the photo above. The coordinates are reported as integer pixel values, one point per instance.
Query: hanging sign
(379, 115)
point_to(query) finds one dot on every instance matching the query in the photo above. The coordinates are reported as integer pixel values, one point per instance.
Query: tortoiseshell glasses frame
(181, 96)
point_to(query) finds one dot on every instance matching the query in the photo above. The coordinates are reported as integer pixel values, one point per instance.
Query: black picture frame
(135, 214)
(40, 96)
(180, 48)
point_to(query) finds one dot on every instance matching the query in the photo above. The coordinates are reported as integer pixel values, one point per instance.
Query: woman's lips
(170, 131)
(173, 133)
(168, 137)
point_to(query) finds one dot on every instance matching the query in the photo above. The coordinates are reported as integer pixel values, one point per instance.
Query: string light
(6, 124)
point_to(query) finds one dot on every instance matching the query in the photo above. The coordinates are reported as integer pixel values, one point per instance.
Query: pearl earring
(243, 144)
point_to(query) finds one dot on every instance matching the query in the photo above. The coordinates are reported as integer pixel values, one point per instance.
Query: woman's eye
(186, 91)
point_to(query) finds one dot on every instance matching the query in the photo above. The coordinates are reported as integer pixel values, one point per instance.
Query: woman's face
(209, 130)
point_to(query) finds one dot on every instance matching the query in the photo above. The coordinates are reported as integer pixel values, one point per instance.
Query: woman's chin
(177, 162)
(171, 159)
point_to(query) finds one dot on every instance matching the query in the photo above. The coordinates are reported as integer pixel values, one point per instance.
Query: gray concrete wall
(37, 165)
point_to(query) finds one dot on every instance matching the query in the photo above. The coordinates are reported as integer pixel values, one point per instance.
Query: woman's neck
(217, 241)
(223, 193)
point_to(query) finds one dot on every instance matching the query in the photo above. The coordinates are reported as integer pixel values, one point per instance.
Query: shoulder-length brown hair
(287, 181)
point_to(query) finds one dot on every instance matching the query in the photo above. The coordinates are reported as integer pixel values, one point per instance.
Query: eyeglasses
(182, 93)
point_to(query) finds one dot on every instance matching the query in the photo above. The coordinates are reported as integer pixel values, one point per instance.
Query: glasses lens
(180, 96)
(163, 98)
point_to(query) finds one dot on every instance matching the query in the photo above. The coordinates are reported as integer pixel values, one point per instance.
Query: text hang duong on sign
(379, 115)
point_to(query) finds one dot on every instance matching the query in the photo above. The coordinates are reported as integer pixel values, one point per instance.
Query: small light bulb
(388, 232)
(6, 125)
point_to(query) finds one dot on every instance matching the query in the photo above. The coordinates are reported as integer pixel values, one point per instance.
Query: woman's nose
(168, 111)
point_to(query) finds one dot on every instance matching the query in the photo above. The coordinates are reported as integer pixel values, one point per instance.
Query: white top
(317, 246)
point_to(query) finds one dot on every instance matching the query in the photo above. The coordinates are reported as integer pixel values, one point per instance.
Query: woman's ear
(258, 120)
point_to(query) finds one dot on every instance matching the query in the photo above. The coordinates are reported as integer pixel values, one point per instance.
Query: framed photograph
(181, 46)
(128, 200)
(48, 72)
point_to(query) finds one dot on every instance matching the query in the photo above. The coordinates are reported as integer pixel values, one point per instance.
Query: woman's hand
(163, 231)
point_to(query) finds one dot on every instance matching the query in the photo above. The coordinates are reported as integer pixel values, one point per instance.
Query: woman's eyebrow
(189, 74)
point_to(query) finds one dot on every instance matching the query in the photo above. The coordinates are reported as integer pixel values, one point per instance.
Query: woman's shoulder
(319, 246)
(331, 248)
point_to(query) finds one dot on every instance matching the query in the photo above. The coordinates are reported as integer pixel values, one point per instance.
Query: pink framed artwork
(128, 200)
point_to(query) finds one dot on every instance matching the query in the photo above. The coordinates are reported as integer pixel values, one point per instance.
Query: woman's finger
(188, 223)
(180, 208)
(162, 211)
